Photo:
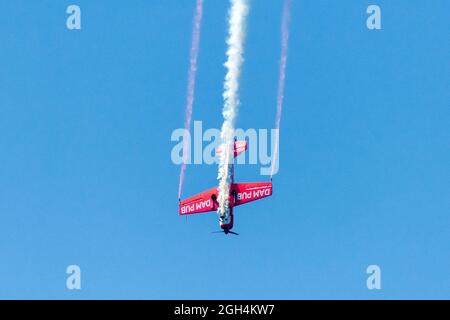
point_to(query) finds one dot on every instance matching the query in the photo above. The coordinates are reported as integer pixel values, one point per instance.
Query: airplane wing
(202, 202)
(251, 191)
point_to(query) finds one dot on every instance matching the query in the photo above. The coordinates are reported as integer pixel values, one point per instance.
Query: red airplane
(240, 193)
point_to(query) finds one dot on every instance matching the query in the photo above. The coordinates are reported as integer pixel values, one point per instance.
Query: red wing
(251, 191)
(202, 202)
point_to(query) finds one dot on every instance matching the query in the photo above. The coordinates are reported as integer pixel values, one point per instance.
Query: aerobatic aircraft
(240, 193)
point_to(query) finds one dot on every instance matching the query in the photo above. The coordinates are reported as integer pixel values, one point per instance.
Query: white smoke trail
(236, 38)
(191, 87)
(282, 77)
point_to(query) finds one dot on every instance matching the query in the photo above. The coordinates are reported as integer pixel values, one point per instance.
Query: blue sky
(86, 176)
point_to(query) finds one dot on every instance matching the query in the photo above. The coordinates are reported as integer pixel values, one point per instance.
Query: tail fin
(239, 147)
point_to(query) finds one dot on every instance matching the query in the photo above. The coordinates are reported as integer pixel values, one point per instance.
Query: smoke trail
(282, 76)
(236, 38)
(191, 87)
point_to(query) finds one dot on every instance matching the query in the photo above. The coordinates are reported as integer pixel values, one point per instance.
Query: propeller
(226, 232)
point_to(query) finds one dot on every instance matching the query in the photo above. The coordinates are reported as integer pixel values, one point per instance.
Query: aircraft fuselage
(226, 219)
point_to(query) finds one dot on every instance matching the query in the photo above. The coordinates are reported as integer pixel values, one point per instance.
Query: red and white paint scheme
(240, 193)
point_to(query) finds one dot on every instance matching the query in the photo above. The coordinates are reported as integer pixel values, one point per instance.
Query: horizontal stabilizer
(239, 147)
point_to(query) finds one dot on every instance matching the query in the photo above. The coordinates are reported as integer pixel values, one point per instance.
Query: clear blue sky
(86, 176)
